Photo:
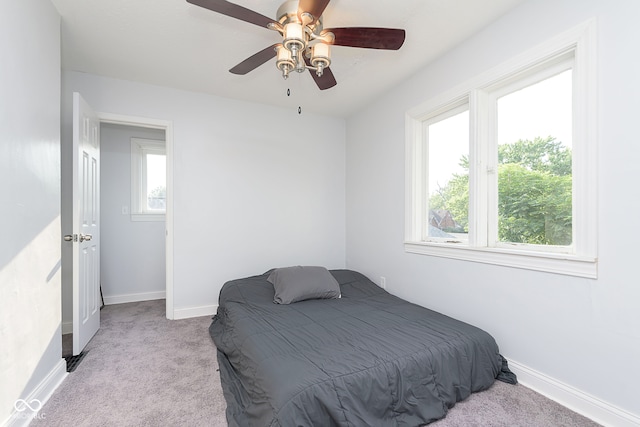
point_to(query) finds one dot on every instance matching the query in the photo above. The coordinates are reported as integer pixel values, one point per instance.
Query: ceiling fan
(305, 43)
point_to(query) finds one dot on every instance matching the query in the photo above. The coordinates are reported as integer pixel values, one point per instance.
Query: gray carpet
(144, 370)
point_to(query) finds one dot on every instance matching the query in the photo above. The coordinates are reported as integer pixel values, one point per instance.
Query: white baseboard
(32, 404)
(125, 298)
(67, 328)
(185, 313)
(578, 401)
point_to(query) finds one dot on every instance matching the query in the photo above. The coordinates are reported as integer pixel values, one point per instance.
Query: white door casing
(86, 223)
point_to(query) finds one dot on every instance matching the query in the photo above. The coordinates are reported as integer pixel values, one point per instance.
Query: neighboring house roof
(439, 213)
(436, 232)
(442, 218)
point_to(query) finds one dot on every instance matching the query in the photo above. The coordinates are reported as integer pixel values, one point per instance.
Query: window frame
(580, 259)
(447, 111)
(531, 76)
(140, 147)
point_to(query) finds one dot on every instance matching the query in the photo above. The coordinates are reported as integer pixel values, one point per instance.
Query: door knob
(84, 237)
(68, 238)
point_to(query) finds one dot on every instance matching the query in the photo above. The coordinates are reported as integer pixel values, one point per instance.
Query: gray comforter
(366, 359)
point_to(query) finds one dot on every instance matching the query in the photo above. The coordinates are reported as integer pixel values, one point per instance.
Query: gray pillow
(300, 283)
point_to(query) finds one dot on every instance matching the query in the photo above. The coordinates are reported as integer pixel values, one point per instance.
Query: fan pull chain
(299, 107)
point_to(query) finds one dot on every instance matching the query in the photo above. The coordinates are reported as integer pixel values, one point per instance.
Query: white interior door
(86, 223)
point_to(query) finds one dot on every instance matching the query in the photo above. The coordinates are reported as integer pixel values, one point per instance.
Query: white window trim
(582, 262)
(563, 62)
(142, 217)
(139, 147)
(452, 109)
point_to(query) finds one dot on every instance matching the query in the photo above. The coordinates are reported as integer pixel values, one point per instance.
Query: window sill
(147, 217)
(567, 264)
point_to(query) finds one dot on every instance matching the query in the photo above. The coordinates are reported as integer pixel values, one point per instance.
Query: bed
(363, 358)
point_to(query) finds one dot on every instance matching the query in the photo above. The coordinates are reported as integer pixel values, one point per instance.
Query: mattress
(368, 358)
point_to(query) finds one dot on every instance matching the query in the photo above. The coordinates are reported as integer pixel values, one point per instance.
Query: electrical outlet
(383, 282)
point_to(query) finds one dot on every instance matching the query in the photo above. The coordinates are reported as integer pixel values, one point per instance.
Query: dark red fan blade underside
(327, 80)
(368, 37)
(254, 61)
(234, 11)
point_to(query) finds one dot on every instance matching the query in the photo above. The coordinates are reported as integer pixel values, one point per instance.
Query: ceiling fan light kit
(305, 44)
(320, 57)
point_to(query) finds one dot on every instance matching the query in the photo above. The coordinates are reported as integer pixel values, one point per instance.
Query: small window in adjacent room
(148, 180)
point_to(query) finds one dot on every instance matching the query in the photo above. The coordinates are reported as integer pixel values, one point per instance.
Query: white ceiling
(176, 44)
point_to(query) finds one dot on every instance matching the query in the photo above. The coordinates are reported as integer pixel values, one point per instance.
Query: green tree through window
(534, 193)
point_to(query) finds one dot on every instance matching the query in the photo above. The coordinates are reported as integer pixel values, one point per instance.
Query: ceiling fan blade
(254, 61)
(312, 7)
(234, 11)
(327, 80)
(368, 37)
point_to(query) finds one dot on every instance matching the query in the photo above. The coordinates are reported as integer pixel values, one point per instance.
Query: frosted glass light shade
(294, 36)
(321, 54)
(284, 59)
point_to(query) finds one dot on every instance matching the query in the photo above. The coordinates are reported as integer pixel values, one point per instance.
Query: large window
(148, 179)
(503, 170)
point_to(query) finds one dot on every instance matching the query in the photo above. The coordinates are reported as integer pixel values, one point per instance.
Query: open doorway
(158, 273)
(132, 213)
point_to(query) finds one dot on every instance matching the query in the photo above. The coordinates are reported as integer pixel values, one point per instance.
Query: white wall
(578, 332)
(254, 186)
(132, 253)
(30, 345)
